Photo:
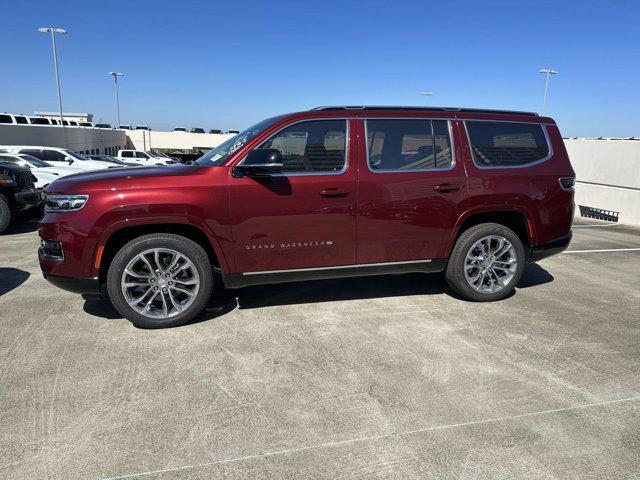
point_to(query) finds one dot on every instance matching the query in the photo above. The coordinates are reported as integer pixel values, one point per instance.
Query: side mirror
(261, 161)
(69, 160)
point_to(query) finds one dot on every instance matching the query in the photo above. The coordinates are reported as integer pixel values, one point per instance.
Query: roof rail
(436, 109)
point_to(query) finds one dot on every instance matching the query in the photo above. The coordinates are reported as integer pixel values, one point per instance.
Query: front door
(412, 189)
(303, 217)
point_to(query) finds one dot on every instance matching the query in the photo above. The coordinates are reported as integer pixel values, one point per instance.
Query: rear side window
(33, 153)
(315, 146)
(5, 119)
(504, 144)
(126, 154)
(408, 145)
(20, 119)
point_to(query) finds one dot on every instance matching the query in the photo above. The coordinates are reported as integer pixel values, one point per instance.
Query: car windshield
(35, 161)
(75, 155)
(220, 154)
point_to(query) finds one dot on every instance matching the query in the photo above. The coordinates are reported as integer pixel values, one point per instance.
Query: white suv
(143, 158)
(58, 157)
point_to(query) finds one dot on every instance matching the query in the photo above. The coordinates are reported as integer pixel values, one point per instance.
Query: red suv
(330, 192)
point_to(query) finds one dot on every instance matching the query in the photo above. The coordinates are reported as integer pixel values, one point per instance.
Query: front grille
(23, 179)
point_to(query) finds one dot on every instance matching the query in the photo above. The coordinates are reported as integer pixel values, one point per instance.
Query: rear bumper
(544, 250)
(75, 285)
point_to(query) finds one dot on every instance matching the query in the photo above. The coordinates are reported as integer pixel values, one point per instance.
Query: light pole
(115, 76)
(53, 31)
(426, 96)
(548, 72)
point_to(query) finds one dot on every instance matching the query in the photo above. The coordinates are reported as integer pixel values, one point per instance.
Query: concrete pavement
(378, 377)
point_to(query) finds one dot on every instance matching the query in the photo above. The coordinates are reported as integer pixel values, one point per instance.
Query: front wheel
(160, 280)
(6, 214)
(486, 263)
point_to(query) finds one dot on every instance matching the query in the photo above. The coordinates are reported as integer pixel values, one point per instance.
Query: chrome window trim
(543, 126)
(305, 174)
(400, 170)
(336, 267)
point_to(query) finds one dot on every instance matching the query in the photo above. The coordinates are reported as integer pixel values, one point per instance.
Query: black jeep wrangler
(17, 192)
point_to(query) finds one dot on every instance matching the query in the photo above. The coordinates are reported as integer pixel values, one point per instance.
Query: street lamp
(115, 76)
(548, 72)
(53, 31)
(426, 96)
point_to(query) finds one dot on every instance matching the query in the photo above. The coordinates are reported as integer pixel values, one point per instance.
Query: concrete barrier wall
(79, 139)
(607, 175)
(139, 139)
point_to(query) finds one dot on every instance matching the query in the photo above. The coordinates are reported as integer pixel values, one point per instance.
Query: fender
(113, 227)
(531, 223)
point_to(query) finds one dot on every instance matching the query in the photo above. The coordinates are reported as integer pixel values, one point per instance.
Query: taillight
(567, 183)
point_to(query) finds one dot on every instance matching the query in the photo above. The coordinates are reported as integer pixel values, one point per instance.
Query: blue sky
(229, 64)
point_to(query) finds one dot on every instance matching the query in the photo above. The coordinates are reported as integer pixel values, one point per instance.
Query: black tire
(455, 272)
(6, 214)
(190, 249)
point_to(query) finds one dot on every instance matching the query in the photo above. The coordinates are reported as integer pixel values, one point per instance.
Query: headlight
(64, 203)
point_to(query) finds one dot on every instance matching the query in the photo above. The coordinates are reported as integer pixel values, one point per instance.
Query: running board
(237, 280)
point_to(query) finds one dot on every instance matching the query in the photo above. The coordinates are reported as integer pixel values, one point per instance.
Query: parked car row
(17, 192)
(201, 130)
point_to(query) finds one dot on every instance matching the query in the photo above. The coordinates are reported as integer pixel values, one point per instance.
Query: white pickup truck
(143, 158)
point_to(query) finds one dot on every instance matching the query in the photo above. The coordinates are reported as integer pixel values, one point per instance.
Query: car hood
(57, 170)
(127, 178)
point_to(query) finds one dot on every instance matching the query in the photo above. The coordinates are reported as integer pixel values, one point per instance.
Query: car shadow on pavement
(331, 290)
(534, 275)
(357, 288)
(11, 278)
(22, 226)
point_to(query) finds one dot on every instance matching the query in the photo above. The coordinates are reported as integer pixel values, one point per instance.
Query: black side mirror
(261, 161)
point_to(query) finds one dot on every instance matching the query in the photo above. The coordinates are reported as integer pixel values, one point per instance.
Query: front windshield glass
(35, 161)
(75, 155)
(220, 154)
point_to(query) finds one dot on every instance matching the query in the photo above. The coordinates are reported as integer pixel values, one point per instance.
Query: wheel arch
(118, 234)
(518, 220)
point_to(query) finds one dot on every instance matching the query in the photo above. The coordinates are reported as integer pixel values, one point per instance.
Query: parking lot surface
(378, 377)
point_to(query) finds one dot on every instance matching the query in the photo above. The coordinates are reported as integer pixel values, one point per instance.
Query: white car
(44, 172)
(143, 158)
(59, 157)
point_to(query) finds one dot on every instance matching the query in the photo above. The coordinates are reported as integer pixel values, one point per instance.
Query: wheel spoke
(490, 264)
(159, 299)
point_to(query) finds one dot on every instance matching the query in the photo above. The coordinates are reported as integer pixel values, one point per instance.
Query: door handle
(334, 192)
(446, 187)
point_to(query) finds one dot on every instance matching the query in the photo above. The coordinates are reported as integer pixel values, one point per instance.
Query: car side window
(400, 144)
(313, 146)
(32, 152)
(53, 156)
(126, 154)
(141, 155)
(499, 144)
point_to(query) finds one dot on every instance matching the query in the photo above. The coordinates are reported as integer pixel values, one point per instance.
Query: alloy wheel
(160, 283)
(490, 264)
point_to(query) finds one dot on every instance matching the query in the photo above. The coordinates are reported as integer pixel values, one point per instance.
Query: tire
(142, 255)
(493, 277)
(6, 214)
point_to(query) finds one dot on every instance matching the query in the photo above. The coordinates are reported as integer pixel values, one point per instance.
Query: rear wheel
(486, 263)
(160, 280)
(6, 214)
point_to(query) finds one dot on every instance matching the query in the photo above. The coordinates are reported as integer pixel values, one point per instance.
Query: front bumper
(75, 285)
(28, 199)
(544, 250)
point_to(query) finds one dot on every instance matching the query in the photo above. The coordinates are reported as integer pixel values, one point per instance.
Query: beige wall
(175, 140)
(74, 138)
(607, 175)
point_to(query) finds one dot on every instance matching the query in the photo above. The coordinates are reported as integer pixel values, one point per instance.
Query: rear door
(303, 217)
(412, 189)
